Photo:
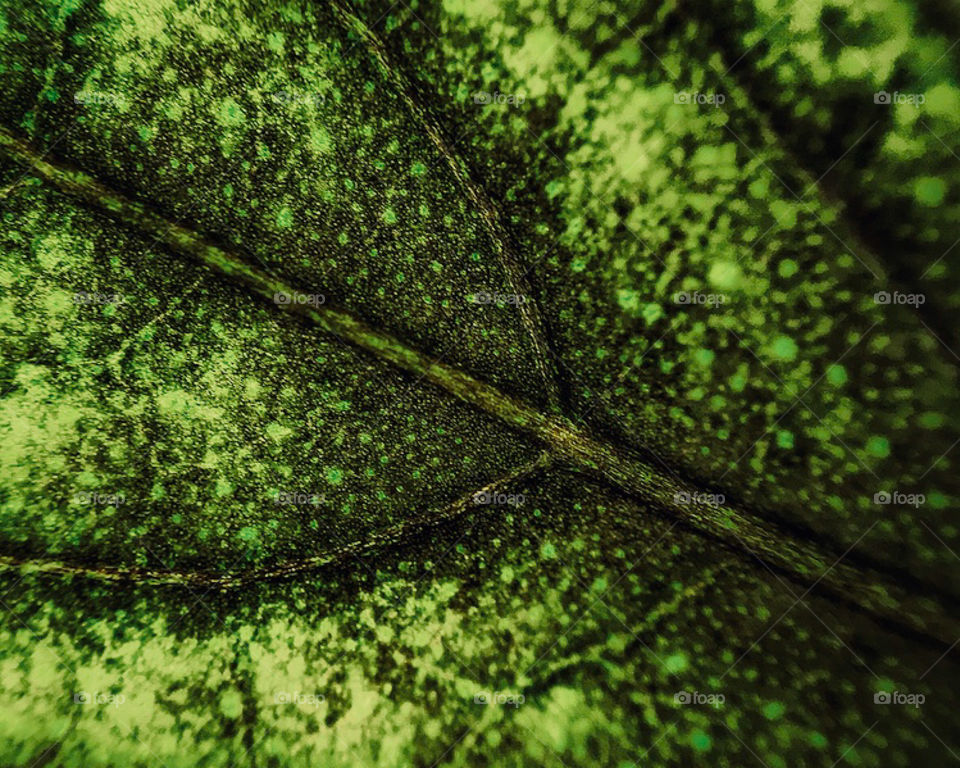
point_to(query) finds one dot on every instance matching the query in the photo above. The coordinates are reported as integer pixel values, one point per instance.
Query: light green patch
(320, 141)
(230, 114)
(836, 375)
(725, 275)
(652, 312)
(787, 268)
(676, 663)
(774, 710)
(703, 357)
(700, 741)
(878, 447)
(333, 475)
(930, 191)
(231, 703)
(285, 217)
(784, 348)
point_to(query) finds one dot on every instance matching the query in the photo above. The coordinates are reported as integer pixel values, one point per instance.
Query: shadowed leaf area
(478, 384)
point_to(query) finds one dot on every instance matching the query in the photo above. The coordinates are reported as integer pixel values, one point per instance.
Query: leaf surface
(240, 528)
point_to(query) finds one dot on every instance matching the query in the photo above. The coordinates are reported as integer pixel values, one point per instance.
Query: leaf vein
(615, 464)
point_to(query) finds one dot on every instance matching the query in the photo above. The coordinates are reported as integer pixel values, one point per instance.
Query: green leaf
(475, 384)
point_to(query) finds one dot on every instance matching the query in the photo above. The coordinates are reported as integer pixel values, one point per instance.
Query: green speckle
(629, 300)
(785, 439)
(784, 213)
(231, 703)
(703, 357)
(878, 447)
(787, 268)
(784, 348)
(277, 432)
(390, 216)
(676, 663)
(884, 684)
(174, 401)
(725, 275)
(251, 388)
(275, 42)
(930, 191)
(700, 741)
(284, 217)
(334, 475)
(773, 710)
(320, 140)
(738, 381)
(931, 420)
(837, 375)
(759, 188)
(652, 312)
(231, 113)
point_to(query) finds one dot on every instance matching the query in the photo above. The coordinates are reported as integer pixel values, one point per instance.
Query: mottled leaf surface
(232, 533)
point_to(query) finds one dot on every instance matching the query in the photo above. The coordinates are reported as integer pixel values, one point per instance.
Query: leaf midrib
(618, 465)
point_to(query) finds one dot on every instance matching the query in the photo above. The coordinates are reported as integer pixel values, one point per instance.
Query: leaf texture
(357, 411)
